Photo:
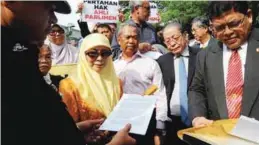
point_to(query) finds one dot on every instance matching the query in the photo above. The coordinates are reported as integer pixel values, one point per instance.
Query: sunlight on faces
(57, 35)
(128, 40)
(198, 31)
(237, 29)
(97, 57)
(174, 40)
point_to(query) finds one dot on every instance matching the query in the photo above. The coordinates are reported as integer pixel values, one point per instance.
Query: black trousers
(172, 128)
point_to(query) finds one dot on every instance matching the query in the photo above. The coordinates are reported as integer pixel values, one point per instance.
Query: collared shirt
(147, 34)
(47, 79)
(205, 44)
(140, 73)
(175, 99)
(226, 57)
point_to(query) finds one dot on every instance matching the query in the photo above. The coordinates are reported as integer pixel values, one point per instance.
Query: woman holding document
(93, 90)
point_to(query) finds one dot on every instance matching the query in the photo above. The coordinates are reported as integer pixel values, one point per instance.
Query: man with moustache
(226, 80)
(140, 11)
(177, 68)
(32, 112)
(138, 73)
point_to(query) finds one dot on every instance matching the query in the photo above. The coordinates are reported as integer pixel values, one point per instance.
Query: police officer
(32, 112)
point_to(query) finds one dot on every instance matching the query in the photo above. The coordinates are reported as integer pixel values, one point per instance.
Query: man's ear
(250, 16)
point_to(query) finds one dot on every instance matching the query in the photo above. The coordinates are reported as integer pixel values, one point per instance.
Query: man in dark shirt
(140, 11)
(32, 112)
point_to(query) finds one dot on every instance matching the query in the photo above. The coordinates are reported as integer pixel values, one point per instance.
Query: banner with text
(103, 11)
(154, 14)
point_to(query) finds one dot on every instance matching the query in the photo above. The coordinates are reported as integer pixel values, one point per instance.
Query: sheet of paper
(134, 109)
(247, 128)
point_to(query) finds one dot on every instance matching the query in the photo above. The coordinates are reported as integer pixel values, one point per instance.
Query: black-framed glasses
(95, 54)
(231, 25)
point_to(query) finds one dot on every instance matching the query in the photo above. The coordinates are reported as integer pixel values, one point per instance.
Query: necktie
(234, 85)
(183, 92)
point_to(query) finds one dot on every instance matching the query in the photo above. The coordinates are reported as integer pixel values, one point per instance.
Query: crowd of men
(214, 76)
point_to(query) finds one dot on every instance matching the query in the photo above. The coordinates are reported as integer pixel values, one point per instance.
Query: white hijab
(63, 54)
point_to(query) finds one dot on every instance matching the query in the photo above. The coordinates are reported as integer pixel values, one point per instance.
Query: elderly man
(32, 112)
(201, 33)
(178, 68)
(138, 72)
(140, 11)
(45, 65)
(226, 80)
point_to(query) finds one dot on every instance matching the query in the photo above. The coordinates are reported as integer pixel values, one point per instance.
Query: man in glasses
(201, 32)
(33, 112)
(226, 81)
(140, 11)
(177, 68)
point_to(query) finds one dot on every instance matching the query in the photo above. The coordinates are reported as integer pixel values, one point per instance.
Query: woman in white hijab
(62, 52)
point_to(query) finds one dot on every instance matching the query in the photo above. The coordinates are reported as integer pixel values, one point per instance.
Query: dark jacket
(32, 112)
(207, 92)
(166, 63)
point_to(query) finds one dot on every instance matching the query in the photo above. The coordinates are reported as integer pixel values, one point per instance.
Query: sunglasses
(95, 54)
(55, 32)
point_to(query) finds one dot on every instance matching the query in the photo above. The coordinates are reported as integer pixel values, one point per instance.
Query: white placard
(154, 14)
(103, 11)
(134, 109)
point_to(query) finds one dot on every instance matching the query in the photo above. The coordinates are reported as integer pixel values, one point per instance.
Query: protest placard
(154, 14)
(103, 11)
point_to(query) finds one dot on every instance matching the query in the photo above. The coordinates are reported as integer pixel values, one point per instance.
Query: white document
(247, 128)
(134, 109)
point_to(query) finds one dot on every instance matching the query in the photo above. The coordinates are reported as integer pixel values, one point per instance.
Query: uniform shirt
(32, 112)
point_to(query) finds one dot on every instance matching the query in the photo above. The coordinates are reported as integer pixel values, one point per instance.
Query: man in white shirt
(138, 72)
(226, 80)
(178, 68)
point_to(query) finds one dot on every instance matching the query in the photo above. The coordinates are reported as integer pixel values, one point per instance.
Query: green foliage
(183, 10)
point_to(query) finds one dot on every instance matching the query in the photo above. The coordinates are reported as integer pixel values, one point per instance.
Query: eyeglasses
(173, 38)
(231, 25)
(195, 30)
(95, 54)
(55, 32)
